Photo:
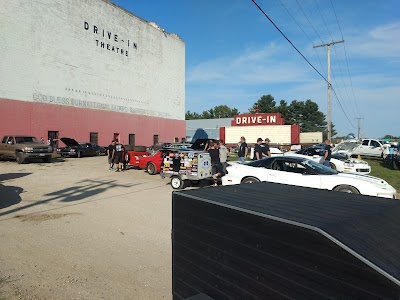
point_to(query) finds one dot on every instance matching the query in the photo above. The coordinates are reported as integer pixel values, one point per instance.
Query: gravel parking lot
(71, 229)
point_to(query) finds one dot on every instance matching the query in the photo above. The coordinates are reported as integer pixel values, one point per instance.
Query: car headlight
(27, 149)
(72, 150)
(348, 164)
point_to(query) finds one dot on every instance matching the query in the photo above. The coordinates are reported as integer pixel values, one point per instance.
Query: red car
(132, 157)
(152, 164)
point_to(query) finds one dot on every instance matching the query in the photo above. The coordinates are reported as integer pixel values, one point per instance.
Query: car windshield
(320, 169)
(26, 140)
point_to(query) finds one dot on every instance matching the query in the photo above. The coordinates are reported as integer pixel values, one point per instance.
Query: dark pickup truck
(23, 148)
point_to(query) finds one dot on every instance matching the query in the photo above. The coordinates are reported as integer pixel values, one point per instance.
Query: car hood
(70, 142)
(367, 178)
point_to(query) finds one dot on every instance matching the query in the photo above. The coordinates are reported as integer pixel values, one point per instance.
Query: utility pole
(328, 115)
(358, 127)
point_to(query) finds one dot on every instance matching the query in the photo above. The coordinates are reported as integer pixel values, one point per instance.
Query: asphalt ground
(72, 229)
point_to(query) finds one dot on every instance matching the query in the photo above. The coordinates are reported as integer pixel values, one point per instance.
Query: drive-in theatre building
(89, 70)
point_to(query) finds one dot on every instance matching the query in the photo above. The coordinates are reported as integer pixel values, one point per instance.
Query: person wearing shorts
(119, 150)
(111, 155)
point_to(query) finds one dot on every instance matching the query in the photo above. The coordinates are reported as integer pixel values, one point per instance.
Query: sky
(234, 55)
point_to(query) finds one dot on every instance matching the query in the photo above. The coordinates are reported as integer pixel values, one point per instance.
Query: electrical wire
(298, 51)
(337, 61)
(347, 62)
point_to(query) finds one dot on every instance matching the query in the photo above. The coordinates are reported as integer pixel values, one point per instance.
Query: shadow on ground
(78, 192)
(9, 195)
(9, 176)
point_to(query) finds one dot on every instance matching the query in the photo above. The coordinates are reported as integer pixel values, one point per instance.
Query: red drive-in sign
(258, 119)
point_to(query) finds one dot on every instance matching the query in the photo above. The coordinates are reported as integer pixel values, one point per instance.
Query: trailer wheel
(177, 183)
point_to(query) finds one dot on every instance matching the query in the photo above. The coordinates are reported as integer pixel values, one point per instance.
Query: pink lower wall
(31, 118)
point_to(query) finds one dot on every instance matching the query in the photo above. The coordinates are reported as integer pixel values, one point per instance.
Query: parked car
(305, 172)
(133, 154)
(23, 148)
(366, 147)
(152, 164)
(75, 149)
(339, 162)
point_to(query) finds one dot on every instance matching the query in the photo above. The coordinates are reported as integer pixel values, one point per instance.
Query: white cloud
(267, 64)
(382, 41)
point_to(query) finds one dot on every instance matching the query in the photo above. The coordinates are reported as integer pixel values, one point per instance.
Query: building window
(155, 139)
(94, 138)
(183, 140)
(52, 139)
(116, 136)
(131, 139)
(176, 140)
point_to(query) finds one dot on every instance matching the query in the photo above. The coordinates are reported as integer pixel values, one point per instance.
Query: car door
(364, 149)
(375, 148)
(9, 147)
(287, 172)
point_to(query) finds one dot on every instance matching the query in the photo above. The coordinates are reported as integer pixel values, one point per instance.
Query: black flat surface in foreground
(367, 227)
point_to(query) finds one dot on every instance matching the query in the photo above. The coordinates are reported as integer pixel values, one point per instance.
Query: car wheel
(98, 153)
(332, 166)
(250, 180)
(79, 155)
(395, 165)
(177, 183)
(20, 158)
(127, 158)
(151, 169)
(346, 189)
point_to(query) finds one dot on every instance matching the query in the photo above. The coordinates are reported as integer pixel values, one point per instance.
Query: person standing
(223, 156)
(243, 149)
(119, 150)
(111, 155)
(215, 161)
(327, 154)
(265, 148)
(258, 150)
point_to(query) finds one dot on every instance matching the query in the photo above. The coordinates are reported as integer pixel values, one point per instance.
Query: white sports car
(344, 164)
(306, 172)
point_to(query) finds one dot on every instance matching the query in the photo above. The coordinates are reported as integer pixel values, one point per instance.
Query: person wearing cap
(258, 150)
(265, 148)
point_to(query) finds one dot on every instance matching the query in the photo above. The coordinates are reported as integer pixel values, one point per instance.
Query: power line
(290, 42)
(294, 20)
(301, 8)
(337, 60)
(347, 62)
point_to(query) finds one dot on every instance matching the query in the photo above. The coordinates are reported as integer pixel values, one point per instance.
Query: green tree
(219, 111)
(266, 104)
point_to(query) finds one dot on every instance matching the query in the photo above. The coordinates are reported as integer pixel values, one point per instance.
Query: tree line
(305, 113)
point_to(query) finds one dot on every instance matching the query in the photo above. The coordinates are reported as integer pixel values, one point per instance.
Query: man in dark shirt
(327, 154)
(258, 150)
(111, 154)
(118, 158)
(265, 148)
(215, 161)
(243, 149)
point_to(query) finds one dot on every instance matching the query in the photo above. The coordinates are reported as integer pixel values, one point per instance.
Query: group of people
(261, 149)
(115, 153)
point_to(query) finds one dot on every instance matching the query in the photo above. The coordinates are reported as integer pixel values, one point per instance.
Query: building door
(155, 139)
(132, 139)
(52, 139)
(116, 137)
(94, 138)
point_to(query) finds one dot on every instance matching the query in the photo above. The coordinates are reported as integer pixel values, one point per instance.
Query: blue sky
(234, 55)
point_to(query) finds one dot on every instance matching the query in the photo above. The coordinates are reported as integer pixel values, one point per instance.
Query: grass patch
(379, 170)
